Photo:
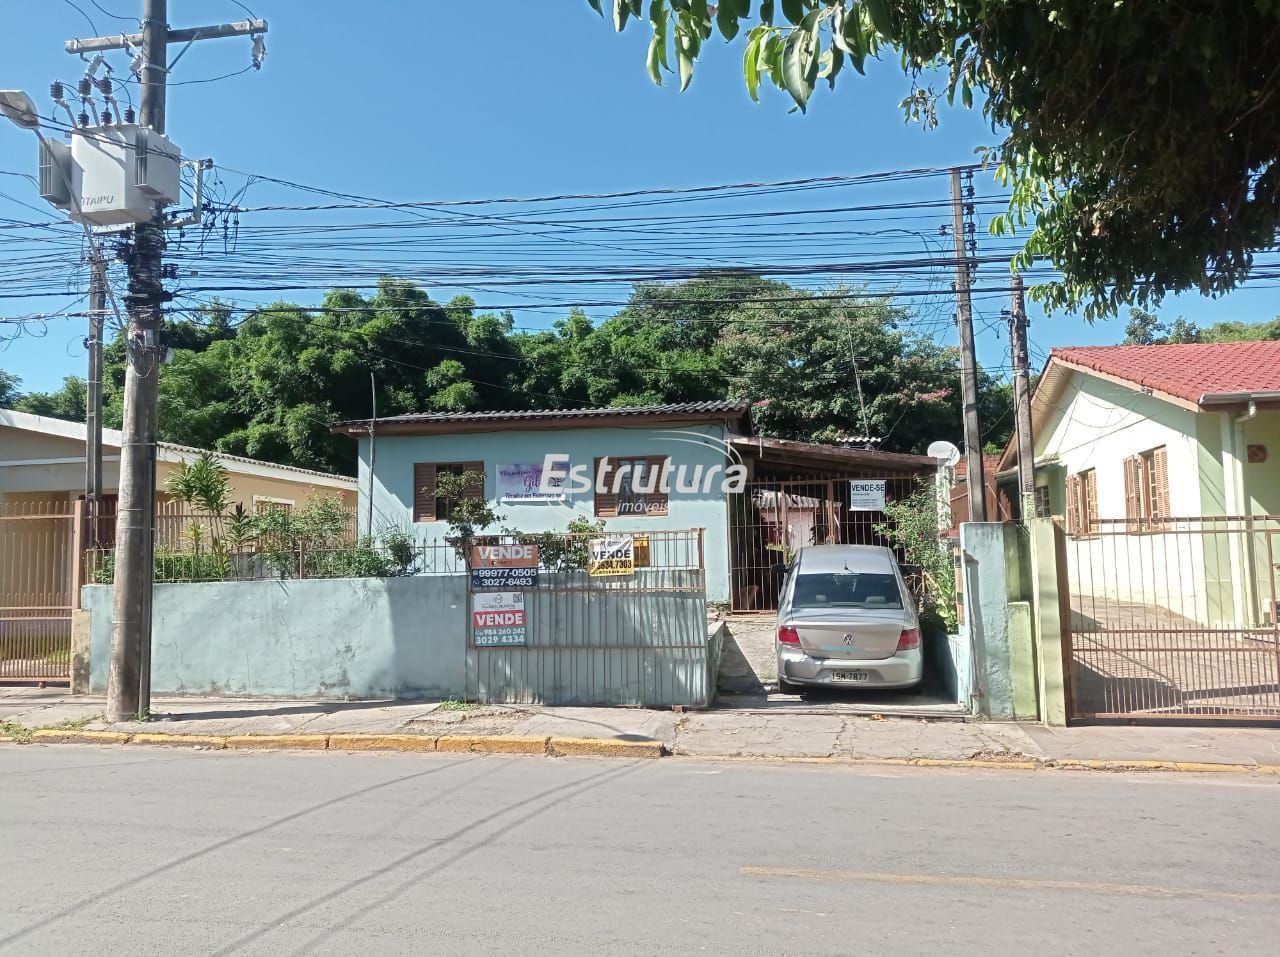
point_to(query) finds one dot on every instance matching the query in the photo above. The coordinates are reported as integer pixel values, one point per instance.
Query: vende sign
(504, 566)
(497, 618)
(504, 556)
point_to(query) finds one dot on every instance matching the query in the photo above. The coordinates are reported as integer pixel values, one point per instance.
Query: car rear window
(846, 590)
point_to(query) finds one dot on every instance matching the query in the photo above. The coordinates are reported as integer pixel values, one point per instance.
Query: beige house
(42, 459)
(42, 476)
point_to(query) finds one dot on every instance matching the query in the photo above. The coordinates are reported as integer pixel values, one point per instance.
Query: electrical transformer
(111, 175)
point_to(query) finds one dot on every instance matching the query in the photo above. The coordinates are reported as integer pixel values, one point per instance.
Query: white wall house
(1147, 453)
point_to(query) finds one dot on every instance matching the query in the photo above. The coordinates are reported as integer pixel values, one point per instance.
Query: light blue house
(642, 469)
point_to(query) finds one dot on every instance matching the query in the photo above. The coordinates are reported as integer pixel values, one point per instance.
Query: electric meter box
(120, 173)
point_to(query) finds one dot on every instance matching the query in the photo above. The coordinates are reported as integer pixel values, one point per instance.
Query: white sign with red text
(497, 618)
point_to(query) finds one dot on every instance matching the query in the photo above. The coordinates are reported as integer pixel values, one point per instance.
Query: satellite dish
(944, 452)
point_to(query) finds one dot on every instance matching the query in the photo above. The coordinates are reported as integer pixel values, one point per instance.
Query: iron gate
(770, 519)
(40, 577)
(1175, 618)
(573, 638)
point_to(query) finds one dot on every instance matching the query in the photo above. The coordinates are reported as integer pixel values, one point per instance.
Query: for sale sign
(612, 556)
(866, 495)
(497, 618)
(504, 566)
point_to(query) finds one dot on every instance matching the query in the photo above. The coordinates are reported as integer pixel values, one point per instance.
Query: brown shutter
(659, 500)
(1160, 462)
(1073, 505)
(475, 490)
(606, 502)
(1091, 491)
(424, 492)
(1132, 503)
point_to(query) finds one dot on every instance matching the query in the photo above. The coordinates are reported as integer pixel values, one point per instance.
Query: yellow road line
(1008, 883)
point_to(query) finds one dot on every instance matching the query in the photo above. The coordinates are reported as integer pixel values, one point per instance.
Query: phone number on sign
(504, 577)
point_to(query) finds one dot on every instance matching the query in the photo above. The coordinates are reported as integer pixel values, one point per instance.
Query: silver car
(847, 619)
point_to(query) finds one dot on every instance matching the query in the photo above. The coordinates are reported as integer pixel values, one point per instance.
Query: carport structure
(800, 493)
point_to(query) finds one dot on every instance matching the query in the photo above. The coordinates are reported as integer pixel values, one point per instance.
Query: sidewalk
(774, 733)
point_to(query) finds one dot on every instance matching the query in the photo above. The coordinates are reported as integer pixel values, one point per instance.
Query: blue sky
(453, 100)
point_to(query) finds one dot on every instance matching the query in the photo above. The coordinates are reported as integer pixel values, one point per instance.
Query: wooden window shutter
(1091, 497)
(1132, 501)
(1160, 463)
(606, 502)
(1073, 504)
(475, 490)
(658, 500)
(424, 492)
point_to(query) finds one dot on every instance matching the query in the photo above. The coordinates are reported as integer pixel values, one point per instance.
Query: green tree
(9, 393)
(68, 402)
(1141, 140)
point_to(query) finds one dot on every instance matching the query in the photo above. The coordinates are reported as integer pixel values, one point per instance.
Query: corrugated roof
(709, 409)
(1188, 371)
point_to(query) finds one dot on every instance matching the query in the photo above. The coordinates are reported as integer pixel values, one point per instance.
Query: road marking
(1011, 883)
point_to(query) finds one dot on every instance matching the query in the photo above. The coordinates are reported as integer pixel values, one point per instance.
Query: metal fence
(576, 638)
(1175, 618)
(38, 586)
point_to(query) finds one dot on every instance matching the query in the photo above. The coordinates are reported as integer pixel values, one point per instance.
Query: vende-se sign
(866, 495)
(497, 618)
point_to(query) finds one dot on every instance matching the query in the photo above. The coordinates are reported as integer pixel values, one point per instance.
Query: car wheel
(786, 687)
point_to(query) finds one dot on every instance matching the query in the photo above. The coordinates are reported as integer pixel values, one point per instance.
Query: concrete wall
(364, 637)
(998, 619)
(407, 637)
(690, 446)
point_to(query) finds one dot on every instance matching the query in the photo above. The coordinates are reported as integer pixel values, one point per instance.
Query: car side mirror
(779, 568)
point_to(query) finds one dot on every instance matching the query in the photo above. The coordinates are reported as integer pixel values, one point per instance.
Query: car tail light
(787, 635)
(910, 638)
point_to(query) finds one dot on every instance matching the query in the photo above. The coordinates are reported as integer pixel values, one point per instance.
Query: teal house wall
(687, 445)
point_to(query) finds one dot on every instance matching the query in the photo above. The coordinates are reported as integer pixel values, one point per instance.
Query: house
(42, 480)
(1136, 443)
(43, 459)
(659, 468)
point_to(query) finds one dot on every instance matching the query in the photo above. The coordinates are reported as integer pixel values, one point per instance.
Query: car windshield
(846, 590)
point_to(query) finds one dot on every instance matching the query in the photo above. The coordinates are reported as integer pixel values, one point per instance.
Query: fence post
(77, 553)
(701, 561)
(1051, 619)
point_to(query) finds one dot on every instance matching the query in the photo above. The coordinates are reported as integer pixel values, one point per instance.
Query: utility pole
(1022, 402)
(93, 401)
(128, 684)
(974, 477)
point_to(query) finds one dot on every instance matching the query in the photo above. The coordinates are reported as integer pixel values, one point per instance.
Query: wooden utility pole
(974, 478)
(93, 400)
(1022, 402)
(128, 683)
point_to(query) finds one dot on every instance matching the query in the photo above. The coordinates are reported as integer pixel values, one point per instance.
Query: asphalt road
(121, 850)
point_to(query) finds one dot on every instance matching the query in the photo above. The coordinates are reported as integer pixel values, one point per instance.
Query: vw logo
(848, 639)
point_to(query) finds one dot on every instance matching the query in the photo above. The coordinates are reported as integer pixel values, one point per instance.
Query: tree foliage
(1145, 328)
(1140, 139)
(270, 386)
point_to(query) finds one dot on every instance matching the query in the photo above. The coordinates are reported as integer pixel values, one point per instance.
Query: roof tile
(1187, 371)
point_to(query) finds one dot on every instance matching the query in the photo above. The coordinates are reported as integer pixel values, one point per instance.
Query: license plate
(850, 675)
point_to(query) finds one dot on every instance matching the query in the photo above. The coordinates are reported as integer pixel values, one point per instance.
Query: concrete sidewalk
(777, 733)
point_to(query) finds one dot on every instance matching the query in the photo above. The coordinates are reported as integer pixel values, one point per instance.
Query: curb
(454, 744)
(593, 747)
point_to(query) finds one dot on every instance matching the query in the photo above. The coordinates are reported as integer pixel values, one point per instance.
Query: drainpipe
(1237, 503)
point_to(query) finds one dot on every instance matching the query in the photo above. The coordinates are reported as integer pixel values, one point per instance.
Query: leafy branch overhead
(1141, 139)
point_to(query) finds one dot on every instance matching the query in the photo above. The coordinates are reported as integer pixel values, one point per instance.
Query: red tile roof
(1187, 371)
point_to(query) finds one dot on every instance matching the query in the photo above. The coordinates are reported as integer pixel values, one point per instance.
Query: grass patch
(453, 704)
(19, 732)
